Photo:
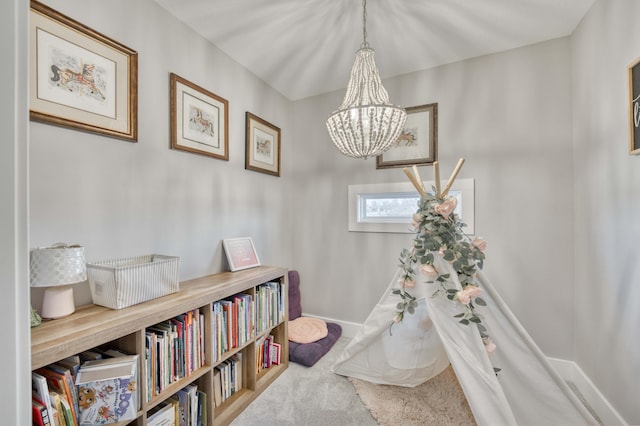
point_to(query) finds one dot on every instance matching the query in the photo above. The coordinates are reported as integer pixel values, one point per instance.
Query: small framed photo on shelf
(80, 78)
(262, 146)
(199, 119)
(418, 142)
(241, 253)
(634, 107)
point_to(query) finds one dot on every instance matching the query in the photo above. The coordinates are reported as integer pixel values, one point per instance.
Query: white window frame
(360, 222)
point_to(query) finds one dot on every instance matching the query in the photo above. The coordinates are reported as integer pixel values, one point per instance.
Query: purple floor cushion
(307, 354)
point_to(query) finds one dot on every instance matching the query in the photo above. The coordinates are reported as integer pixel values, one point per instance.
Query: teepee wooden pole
(452, 177)
(416, 173)
(436, 173)
(414, 181)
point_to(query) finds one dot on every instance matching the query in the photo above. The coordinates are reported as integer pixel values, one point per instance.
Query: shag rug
(439, 401)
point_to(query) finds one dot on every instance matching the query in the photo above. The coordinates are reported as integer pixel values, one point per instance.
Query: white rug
(439, 401)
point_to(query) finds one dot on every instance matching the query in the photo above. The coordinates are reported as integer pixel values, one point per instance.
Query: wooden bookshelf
(92, 326)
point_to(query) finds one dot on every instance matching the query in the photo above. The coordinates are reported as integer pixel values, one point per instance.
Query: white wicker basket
(119, 283)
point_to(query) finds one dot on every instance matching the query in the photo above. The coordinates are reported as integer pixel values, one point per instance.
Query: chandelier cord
(364, 24)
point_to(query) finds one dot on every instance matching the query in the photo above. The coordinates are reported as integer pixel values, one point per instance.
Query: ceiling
(304, 48)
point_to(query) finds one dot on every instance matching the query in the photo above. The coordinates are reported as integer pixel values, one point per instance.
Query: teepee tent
(526, 390)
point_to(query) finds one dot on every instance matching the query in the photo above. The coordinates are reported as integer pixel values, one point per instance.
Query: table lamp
(56, 268)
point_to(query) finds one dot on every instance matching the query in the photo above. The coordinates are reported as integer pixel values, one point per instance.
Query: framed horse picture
(199, 119)
(418, 142)
(80, 78)
(262, 151)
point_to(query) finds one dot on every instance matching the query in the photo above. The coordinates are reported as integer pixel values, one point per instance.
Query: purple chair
(307, 354)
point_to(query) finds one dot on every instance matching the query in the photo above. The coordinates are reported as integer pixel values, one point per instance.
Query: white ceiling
(304, 48)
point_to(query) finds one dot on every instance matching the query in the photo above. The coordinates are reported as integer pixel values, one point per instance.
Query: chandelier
(366, 124)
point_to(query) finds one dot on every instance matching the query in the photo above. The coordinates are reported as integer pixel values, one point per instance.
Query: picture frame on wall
(80, 78)
(262, 152)
(199, 119)
(241, 253)
(418, 142)
(634, 107)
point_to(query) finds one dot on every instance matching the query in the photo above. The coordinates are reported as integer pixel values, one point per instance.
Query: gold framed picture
(262, 153)
(418, 142)
(80, 78)
(199, 119)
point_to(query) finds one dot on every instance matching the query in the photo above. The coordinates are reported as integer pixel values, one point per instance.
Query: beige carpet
(439, 401)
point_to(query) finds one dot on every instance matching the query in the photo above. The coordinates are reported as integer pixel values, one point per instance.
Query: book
(40, 390)
(275, 353)
(69, 375)
(89, 355)
(202, 408)
(163, 415)
(72, 363)
(108, 390)
(217, 387)
(58, 414)
(65, 415)
(183, 407)
(40, 414)
(59, 382)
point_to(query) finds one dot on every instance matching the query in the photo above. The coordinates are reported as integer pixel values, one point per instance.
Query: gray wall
(124, 199)
(607, 202)
(509, 116)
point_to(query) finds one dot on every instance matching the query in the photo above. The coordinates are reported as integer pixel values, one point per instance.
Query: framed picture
(418, 142)
(79, 78)
(634, 107)
(199, 119)
(263, 146)
(241, 253)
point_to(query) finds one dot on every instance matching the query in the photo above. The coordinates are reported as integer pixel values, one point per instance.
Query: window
(389, 207)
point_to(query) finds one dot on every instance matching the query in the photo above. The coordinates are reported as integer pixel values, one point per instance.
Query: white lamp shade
(58, 265)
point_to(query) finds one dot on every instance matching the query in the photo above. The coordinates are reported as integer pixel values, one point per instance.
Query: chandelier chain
(364, 24)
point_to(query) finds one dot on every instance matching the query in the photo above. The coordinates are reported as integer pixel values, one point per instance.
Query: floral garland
(439, 233)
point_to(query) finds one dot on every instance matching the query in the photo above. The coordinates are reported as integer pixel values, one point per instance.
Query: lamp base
(58, 302)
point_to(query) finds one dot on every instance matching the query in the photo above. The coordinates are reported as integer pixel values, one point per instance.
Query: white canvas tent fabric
(527, 390)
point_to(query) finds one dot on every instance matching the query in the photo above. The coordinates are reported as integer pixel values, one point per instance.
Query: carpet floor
(315, 396)
(304, 396)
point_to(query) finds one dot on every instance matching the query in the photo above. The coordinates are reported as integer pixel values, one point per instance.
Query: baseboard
(571, 372)
(349, 329)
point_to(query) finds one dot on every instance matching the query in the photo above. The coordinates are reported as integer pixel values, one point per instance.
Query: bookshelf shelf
(93, 326)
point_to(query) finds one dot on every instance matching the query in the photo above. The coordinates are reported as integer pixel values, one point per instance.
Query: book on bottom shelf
(40, 414)
(40, 391)
(108, 390)
(60, 385)
(165, 414)
(191, 406)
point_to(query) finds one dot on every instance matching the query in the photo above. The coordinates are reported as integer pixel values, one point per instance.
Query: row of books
(173, 349)
(270, 305)
(94, 387)
(233, 323)
(267, 353)
(227, 378)
(187, 407)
